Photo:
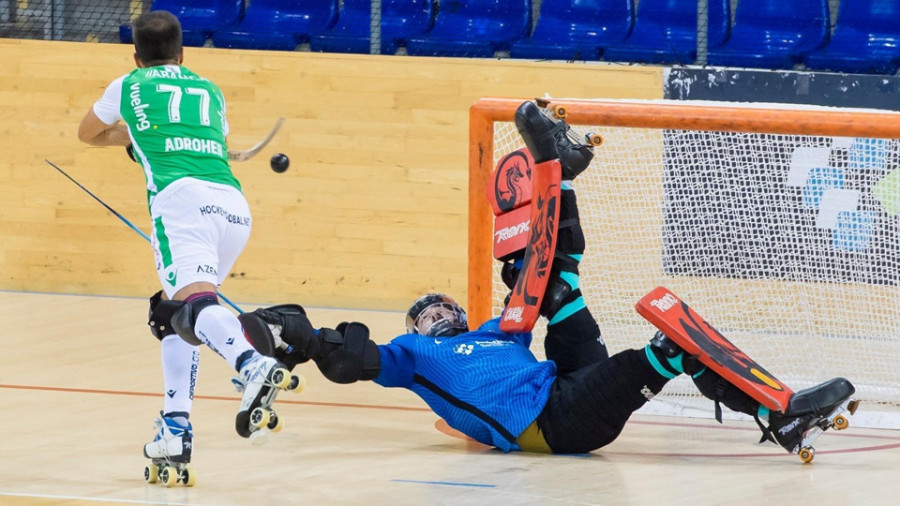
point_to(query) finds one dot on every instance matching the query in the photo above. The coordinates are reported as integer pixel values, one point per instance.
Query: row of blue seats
(774, 34)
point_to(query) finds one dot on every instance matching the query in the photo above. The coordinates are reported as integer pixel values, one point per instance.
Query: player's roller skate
(261, 378)
(809, 413)
(170, 454)
(549, 140)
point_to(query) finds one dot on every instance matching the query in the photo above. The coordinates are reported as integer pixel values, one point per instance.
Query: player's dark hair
(157, 37)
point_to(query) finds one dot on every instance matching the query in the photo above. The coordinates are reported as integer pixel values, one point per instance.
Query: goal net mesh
(787, 244)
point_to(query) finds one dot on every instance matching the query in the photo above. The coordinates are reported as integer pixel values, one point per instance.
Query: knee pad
(676, 359)
(509, 273)
(160, 315)
(185, 317)
(560, 292)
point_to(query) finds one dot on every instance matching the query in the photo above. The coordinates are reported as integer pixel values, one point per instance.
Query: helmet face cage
(436, 315)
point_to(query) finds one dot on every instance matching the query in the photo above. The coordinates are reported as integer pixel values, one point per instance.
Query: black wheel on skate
(188, 477)
(806, 454)
(168, 476)
(151, 473)
(259, 418)
(281, 378)
(275, 423)
(298, 383)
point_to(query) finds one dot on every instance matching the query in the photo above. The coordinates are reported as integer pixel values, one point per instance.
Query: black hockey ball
(280, 162)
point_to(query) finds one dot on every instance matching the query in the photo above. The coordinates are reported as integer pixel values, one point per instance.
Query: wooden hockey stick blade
(243, 156)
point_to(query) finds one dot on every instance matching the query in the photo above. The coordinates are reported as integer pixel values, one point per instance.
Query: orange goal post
(779, 224)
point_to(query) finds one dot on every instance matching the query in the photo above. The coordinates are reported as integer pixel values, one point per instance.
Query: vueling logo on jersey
(138, 106)
(463, 349)
(664, 303)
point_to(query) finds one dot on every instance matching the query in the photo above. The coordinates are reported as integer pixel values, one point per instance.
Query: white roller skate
(809, 413)
(170, 454)
(261, 378)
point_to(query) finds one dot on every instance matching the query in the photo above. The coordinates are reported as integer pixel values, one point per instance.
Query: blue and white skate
(170, 453)
(261, 379)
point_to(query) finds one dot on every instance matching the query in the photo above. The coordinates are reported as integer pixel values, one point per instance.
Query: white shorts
(199, 230)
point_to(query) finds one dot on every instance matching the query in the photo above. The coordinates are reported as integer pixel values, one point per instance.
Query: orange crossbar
(683, 116)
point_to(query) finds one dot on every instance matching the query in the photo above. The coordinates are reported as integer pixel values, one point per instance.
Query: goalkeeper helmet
(436, 315)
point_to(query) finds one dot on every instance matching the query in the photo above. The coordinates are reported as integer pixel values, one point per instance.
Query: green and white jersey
(176, 120)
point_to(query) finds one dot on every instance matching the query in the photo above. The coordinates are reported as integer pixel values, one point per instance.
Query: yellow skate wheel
(188, 477)
(281, 378)
(806, 454)
(151, 473)
(559, 112)
(259, 418)
(168, 476)
(275, 423)
(594, 139)
(840, 422)
(298, 383)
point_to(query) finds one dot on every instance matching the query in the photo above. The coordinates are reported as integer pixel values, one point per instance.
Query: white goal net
(789, 244)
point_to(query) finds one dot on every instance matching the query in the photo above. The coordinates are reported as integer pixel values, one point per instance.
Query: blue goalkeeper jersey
(485, 383)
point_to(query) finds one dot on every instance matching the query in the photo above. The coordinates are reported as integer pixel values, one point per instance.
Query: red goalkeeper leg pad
(696, 337)
(523, 308)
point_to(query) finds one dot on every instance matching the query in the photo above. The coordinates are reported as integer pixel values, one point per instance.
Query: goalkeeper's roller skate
(809, 413)
(261, 379)
(170, 453)
(795, 419)
(547, 139)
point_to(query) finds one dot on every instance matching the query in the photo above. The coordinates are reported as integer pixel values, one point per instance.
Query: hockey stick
(243, 156)
(125, 221)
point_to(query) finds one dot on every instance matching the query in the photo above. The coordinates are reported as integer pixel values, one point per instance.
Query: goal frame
(649, 115)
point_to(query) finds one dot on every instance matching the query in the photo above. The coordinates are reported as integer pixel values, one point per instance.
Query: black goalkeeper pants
(594, 395)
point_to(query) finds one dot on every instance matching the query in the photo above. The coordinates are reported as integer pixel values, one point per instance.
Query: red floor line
(281, 400)
(402, 408)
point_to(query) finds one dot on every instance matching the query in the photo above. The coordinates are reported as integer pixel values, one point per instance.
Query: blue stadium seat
(576, 29)
(199, 18)
(718, 22)
(665, 31)
(400, 19)
(866, 39)
(475, 28)
(278, 24)
(773, 34)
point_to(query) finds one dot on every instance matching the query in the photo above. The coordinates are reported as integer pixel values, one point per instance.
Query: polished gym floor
(80, 385)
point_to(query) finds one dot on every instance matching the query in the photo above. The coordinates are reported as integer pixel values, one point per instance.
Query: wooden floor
(79, 389)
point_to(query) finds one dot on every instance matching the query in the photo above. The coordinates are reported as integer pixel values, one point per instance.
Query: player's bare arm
(95, 132)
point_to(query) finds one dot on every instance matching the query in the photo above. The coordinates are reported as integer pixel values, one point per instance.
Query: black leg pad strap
(159, 317)
(715, 387)
(570, 238)
(186, 317)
